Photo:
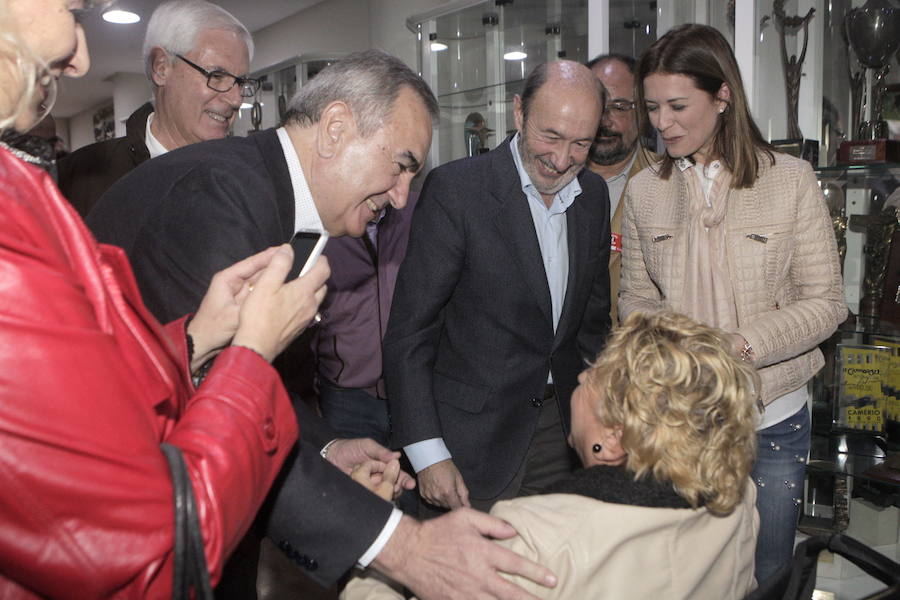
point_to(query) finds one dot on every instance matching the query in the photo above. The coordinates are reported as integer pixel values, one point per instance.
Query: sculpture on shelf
(793, 66)
(873, 31)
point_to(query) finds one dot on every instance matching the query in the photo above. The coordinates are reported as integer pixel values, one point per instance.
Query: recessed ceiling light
(515, 55)
(438, 46)
(120, 17)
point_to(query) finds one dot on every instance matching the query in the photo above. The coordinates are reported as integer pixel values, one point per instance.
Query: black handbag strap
(190, 570)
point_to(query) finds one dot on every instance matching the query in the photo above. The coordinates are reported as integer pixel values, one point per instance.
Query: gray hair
(368, 82)
(175, 25)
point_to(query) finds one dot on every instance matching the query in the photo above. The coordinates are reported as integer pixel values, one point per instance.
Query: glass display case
(278, 85)
(476, 59)
(856, 396)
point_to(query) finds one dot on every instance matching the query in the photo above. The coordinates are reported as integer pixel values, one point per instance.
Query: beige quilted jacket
(605, 551)
(781, 253)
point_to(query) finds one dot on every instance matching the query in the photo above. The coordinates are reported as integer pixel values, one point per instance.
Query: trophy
(873, 32)
(793, 70)
(880, 229)
(834, 199)
(793, 66)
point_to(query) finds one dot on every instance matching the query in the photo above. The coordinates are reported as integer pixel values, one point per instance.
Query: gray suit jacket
(470, 338)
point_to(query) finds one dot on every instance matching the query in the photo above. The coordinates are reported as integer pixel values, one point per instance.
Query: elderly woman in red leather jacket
(91, 384)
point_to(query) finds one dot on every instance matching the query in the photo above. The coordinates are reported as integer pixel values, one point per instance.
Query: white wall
(336, 26)
(131, 91)
(387, 26)
(81, 128)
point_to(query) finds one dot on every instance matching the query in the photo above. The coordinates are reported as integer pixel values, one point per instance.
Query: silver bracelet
(324, 451)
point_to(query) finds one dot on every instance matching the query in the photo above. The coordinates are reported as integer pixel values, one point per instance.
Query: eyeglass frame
(243, 82)
(619, 107)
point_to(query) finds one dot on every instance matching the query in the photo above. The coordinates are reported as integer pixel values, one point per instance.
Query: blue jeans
(355, 413)
(779, 473)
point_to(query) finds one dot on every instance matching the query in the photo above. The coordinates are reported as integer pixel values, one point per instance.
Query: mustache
(553, 167)
(604, 132)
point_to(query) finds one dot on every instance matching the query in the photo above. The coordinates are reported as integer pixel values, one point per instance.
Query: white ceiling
(117, 48)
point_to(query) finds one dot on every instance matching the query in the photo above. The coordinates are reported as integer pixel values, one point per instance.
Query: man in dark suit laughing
(501, 300)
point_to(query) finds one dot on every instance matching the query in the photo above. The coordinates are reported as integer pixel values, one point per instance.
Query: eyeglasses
(223, 81)
(620, 106)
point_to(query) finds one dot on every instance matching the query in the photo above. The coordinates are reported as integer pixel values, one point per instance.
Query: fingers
(391, 471)
(280, 264)
(462, 492)
(249, 266)
(406, 481)
(490, 526)
(318, 274)
(502, 559)
(375, 450)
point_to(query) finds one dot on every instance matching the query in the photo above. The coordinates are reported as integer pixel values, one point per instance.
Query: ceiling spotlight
(515, 55)
(120, 17)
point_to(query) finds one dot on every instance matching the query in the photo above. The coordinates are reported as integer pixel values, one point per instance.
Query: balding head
(561, 74)
(557, 117)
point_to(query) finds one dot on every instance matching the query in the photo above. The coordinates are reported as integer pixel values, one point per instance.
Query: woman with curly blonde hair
(677, 405)
(664, 424)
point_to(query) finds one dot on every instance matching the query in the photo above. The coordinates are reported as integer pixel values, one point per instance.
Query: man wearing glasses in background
(614, 154)
(196, 56)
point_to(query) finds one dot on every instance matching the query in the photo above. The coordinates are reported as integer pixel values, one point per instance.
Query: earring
(597, 448)
(721, 109)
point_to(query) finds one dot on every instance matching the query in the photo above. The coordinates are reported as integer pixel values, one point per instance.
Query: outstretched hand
(442, 485)
(453, 558)
(347, 453)
(378, 477)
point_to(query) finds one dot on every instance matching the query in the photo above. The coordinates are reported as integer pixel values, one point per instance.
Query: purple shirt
(356, 309)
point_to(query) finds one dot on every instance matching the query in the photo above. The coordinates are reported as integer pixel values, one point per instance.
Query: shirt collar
(626, 169)
(565, 196)
(154, 146)
(306, 215)
(710, 170)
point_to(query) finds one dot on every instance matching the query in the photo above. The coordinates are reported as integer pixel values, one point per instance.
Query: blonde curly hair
(687, 407)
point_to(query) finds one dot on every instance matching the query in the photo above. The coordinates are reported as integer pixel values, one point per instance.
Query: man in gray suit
(502, 298)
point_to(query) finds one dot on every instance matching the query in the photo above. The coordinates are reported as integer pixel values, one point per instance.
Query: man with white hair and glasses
(196, 57)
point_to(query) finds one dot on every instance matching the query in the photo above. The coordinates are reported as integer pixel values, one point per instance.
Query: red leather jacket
(90, 384)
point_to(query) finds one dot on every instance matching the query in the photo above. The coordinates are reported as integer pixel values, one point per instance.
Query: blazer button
(537, 402)
(312, 565)
(269, 428)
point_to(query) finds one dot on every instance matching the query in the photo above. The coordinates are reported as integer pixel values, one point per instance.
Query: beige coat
(641, 162)
(781, 253)
(600, 550)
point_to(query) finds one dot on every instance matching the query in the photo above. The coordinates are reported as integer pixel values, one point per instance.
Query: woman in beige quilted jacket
(726, 230)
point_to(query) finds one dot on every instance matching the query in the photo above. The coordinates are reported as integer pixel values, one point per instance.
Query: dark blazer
(88, 172)
(470, 338)
(181, 218)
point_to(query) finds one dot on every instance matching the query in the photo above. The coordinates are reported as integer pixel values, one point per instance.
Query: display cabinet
(279, 82)
(856, 397)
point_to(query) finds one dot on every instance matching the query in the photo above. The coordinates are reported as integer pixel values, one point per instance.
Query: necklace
(22, 155)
